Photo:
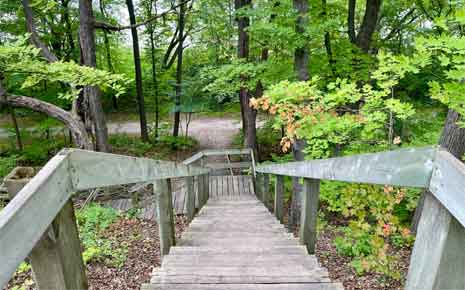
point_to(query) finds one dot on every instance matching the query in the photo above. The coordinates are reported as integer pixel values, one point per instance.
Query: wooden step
(297, 286)
(219, 250)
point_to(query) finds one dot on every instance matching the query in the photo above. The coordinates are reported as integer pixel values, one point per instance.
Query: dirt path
(211, 132)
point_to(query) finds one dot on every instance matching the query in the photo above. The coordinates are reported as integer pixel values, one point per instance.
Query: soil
(340, 270)
(142, 240)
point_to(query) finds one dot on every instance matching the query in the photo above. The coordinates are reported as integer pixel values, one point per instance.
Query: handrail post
(259, 186)
(266, 190)
(164, 206)
(438, 259)
(56, 259)
(279, 198)
(190, 198)
(207, 187)
(309, 213)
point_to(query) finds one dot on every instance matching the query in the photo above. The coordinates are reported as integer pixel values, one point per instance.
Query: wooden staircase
(235, 243)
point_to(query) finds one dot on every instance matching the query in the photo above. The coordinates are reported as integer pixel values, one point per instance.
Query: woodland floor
(142, 241)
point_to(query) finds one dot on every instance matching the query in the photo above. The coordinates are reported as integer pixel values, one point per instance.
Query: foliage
(92, 221)
(326, 117)
(19, 58)
(7, 163)
(180, 142)
(378, 217)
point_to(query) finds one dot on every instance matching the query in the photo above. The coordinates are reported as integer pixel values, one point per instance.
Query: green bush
(92, 222)
(7, 163)
(180, 142)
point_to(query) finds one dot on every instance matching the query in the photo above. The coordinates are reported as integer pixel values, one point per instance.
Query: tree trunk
(155, 81)
(137, 66)
(180, 50)
(19, 142)
(249, 115)
(91, 93)
(452, 139)
(69, 30)
(368, 26)
(328, 47)
(351, 21)
(106, 41)
(301, 57)
(301, 60)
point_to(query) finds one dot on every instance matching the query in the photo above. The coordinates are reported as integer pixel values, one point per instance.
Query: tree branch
(110, 27)
(401, 23)
(34, 38)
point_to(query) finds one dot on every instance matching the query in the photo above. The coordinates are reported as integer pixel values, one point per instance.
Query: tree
(249, 115)
(301, 67)
(363, 38)
(91, 106)
(179, 52)
(138, 70)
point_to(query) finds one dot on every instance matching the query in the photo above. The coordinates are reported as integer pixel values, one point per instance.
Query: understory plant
(92, 221)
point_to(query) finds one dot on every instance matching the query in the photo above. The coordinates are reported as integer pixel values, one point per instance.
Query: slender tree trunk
(301, 62)
(137, 66)
(328, 47)
(452, 139)
(248, 114)
(91, 93)
(351, 21)
(106, 41)
(69, 30)
(155, 81)
(180, 50)
(19, 142)
(301, 57)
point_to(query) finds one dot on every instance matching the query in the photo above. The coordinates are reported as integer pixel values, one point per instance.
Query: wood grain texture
(309, 213)
(279, 198)
(405, 167)
(162, 191)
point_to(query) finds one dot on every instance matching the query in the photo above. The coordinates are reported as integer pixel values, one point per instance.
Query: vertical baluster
(309, 213)
(266, 190)
(259, 186)
(190, 198)
(164, 206)
(279, 198)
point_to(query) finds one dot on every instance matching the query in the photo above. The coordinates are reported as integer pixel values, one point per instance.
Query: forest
(293, 80)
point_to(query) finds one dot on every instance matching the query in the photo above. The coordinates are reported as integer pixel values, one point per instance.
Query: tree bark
(452, 139)
(301, 60)
(76, 127)
(14, 120)
(368, 27)
(151, 30)
(91, 93)
(69, 29)
(301, 57)
(106, 41)
(249, 115)
(180, 50)
(138, 69)
(351, 21)
(328, 47)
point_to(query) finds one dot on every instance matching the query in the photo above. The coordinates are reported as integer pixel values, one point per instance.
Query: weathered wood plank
(232, 165)
(190, 198)
(279, 198)
(36, 204)
(162, 191)
(438, 259)
(56, 259)
(309, 213)
(281, 286)
(448, 184)
(405, 167)
(96, 169)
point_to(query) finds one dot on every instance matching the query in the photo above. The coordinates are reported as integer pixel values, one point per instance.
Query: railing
(39, 222)
(438, 258)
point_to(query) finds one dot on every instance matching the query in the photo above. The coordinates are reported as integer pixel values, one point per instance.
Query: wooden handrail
(438, 258)
(27, 217)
